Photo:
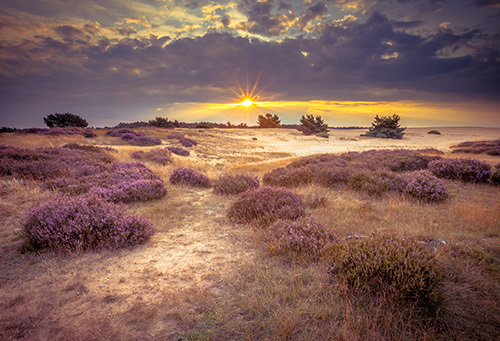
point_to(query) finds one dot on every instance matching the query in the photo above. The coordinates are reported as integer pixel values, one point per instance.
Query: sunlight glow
(247, 102)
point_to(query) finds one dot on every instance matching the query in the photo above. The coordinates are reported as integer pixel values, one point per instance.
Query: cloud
(135, 65)
(485, 4)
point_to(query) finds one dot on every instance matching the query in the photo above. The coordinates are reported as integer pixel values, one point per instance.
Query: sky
(432, 62)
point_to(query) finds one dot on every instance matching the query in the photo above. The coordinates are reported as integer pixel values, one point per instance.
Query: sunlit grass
(201, 277)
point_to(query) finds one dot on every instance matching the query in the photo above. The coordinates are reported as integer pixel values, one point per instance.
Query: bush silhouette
(64, 120)
(311, 125)
(269, 121)
(386, 127)
(164, 122)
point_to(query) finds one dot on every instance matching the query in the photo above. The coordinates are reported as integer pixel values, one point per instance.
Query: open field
(203, 277)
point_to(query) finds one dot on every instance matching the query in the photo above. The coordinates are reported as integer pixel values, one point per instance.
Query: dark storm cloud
(120, 68)
(263, 19)
(345, 62)
(487, 3)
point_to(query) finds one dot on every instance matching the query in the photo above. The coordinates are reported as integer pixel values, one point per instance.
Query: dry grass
(203, 278)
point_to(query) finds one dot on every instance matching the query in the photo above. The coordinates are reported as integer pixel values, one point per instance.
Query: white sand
(293, 141)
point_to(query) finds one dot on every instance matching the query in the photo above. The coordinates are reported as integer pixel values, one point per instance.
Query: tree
(310, 125)
(269, 121)
(64, 120)
(386, 127)
(164, 122)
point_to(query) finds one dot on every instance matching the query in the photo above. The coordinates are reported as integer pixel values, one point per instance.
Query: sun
(247, 102)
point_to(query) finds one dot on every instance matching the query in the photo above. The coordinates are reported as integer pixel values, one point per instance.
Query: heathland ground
(203, 277)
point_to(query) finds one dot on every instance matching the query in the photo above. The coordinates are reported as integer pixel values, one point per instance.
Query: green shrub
(386, 127)
(268, 121)
(64, 120)
(400, 268)
(435, 132)
(310, 125)
(322, 134)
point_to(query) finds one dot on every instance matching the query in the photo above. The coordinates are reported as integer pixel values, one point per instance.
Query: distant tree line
(383, 127)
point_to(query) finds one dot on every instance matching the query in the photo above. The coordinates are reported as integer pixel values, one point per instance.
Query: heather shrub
(128, 136)
(83, 222)
(144, 141)
(400, 268)
(265, 205)
(235, 184)
(288, 177)
(136, 190)
(376, 183)
(394, 160)
(119, 182)
(188, 142)
(89, 148)
(323, 158)
(424, 186)
(50, 163)
(495, 177)
(478, 147)
(190, 177)
(157, 155)
(302, 239)
(134, 138)
(331, 176)
(179, 151)
(466, 170)
(175, 136)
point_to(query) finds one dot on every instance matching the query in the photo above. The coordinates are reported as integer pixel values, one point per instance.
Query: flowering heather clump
(144, 141)
(466, 170)
(175, 136)
(49, 163)
(120, 182)
(128, 136)
(179, 151)
(377, 182)
(188, 142)
(424, 186)
(190, 177)
(394, 160)
(235, 184)
(137, 190)
(56, 131)
(309, 160)
(398, 267)
(134, 138)
(89, 148)
(478, 147)
(265, 205)
(288, 177)
(495, 177)
(157, 155)
(303, 238)
(83, 222)
(330, 176)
